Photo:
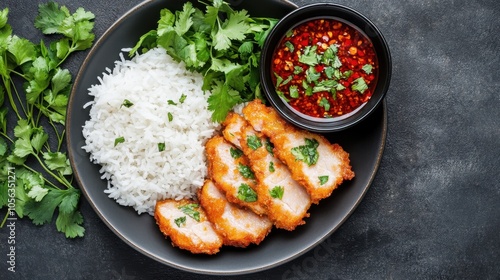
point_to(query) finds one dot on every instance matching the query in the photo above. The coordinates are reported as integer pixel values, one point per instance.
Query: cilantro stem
(58, 177)
(5, 218)
(6, 137)
(9, 95)
(45, 179)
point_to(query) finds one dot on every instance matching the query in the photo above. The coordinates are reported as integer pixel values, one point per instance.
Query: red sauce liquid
(325, 68)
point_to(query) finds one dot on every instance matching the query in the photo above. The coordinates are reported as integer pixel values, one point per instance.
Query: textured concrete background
(433, 209)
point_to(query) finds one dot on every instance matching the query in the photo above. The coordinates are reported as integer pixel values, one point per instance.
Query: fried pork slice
(233, 125)
(287, 202)
(231, 173)
(314, 162)
(238, 226)
(187, 226)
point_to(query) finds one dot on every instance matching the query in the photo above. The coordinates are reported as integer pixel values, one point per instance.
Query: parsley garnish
(309, 56)
(189, 209)
(119, 140)
(253, 142)
(360, 85)
(127, 103)
(269, 147)
(324, 103)
(277, 192)
(161, 146)
(170, 117)
(235, 153)
(307, 153)
(182, 98)
(367, 68)
(323, 179)
(246, 193)
(245, 171)
(180, 221)
(294, 91)
(271, 166)
(218, 41)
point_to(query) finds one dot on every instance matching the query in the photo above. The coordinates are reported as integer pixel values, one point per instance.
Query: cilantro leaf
(359, 85)
(222, 100)
(367, 68)
(37, 192)
(70, 224)
(235, 153)
(57, 161)
(245, 171)
(246, 193)
(307, 153)
(234, 28)
(253, 142)
(184, 21)
(189, 209)
(277, 192)
(21, 49)
(50, 17)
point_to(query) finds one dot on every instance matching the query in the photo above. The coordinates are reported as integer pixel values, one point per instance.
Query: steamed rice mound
(138, 173)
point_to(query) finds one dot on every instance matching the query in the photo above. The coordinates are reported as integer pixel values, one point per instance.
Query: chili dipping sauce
(324, 68)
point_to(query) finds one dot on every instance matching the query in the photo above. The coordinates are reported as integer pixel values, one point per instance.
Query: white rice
(138, 173)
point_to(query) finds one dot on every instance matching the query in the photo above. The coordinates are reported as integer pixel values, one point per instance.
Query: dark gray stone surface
(433, 211)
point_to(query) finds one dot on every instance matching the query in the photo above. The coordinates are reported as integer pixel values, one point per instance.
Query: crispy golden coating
(320, 177)
(228, 173)
(185, 232)
(238, 226)
(287, 202)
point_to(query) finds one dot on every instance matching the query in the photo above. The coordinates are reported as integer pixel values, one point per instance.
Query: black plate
(365, 143)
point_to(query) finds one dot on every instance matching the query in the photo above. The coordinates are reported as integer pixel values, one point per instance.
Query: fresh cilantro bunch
(35, 174)
(221, 43)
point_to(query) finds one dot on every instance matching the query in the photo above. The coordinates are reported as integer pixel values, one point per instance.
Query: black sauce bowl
(345, 15)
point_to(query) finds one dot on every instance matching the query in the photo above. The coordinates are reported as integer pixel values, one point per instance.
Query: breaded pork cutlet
(230, 171)
(286, 201)
(186, 224)
(238, 226)
(313, 161)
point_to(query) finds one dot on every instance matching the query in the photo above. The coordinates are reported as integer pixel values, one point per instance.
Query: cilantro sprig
(221, 43)
(33, 163)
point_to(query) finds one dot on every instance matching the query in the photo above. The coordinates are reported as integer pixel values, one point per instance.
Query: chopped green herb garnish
(307, 153)
(119, 140)
(367, 68)
(309, 56)
(312, 75)
(269, 146)
(290, 46)
(246, 193)
(360, 85)
(294, 91)
(170, 117)
(182, 98)
(245, 171)
(277, 192)
(253, 142)
(171, 102)
(323, 179)
(235, 153)
(161, 147)
(271, 166)
(127, 103)
(189, 209)
(324, 103)
(297, 70)
(180, 221)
